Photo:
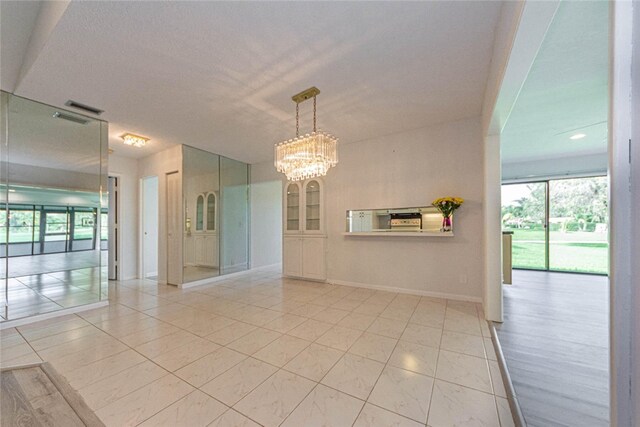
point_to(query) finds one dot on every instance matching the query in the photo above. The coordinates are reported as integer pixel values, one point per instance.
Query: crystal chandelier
(306, 156)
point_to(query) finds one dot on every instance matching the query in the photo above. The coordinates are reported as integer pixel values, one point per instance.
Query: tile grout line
(387, 362)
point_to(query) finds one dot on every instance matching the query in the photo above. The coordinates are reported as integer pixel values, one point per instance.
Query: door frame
(116, 224)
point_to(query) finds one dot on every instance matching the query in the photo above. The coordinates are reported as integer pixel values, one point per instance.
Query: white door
(313, 258)
(113, 228)
(150, 227)
(174, 235)
(292, 256)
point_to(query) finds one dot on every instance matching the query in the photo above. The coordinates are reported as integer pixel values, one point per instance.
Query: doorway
(559, 224)
(150, 227)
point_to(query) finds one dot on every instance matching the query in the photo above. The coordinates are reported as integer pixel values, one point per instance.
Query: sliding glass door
(578, 225)
(524, 213)
(558, 225)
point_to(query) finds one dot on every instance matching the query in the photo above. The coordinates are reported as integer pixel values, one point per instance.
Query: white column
(492, 230)
(621, 223)
(635, 216)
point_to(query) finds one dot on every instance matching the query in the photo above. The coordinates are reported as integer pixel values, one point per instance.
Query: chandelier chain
(297, 119)
(314, 113)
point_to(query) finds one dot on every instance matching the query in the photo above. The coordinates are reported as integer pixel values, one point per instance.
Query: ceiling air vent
(83, 107)
(69, 117)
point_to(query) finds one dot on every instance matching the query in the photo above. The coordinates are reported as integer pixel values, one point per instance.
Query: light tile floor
(262, 350)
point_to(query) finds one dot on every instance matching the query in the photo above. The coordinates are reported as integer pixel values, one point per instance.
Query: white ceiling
(220, 75)
(566, 91)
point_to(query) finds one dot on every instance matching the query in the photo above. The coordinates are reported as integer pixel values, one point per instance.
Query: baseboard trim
(267, 267)
(422, 293)
(46, 316)
(516, 412)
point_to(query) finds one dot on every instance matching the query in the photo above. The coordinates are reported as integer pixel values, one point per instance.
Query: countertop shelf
(399, 234)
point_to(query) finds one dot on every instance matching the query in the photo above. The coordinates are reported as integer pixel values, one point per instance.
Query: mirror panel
(234, 205)
(53, 195)
(201, 179)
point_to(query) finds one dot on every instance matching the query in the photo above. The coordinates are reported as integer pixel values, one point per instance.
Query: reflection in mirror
(199, 213)
(211, 212)
(52, 220)
(412, 220)
(234, 205)
(200, 182)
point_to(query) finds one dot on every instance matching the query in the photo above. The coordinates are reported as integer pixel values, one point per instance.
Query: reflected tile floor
(46, 292)
(260, 350)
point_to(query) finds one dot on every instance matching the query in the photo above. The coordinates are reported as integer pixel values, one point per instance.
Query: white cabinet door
(313, 258)
(292, 256)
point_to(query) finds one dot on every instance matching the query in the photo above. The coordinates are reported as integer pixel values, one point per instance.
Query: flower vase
(446, 224)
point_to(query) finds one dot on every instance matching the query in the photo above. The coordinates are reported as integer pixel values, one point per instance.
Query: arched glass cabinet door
(200, 213)
(293, 207)
(211, 212)
(313, 205)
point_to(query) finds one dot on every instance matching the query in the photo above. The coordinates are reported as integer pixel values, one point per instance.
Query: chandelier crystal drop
(306, 156)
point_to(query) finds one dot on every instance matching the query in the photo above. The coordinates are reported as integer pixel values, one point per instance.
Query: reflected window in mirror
(199, 213)
(211, 212)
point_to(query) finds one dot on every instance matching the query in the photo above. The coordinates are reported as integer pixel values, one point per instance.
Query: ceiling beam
(48, 17)
(519, 35)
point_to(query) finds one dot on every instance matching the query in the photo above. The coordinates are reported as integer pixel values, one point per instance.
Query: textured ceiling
(220, 75)
(566, 91)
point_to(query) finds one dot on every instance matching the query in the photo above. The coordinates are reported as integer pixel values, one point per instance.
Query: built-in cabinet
(304, 251)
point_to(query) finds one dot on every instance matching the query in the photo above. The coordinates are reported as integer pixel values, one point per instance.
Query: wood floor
(31, 398)
(555, 342)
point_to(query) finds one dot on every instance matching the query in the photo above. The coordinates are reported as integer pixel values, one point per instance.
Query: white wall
(266, 215)
(150, 223)
(403, 170)
(127, 170)
(159, 165)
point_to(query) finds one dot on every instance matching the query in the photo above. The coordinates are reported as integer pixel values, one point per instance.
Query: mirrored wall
(53, 208)
(216, 212)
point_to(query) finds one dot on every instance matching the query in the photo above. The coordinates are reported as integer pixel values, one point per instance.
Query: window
(83, 225)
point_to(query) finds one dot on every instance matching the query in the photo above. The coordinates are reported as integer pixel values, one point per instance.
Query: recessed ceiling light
(577, 136)
(134, 140)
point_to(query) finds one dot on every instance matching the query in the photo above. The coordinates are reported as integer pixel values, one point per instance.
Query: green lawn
(580, 251)
(23, 236)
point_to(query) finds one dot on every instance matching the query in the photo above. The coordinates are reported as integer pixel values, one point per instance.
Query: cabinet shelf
(398, 234)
